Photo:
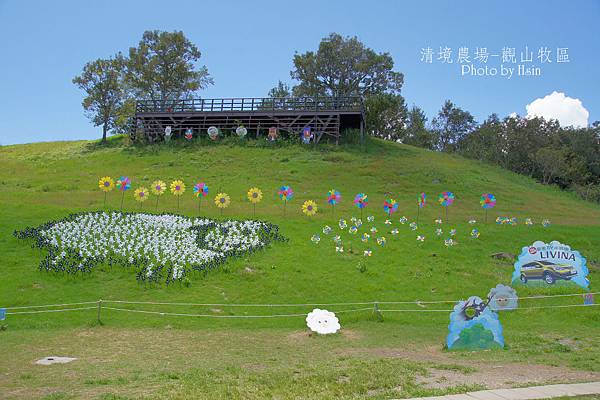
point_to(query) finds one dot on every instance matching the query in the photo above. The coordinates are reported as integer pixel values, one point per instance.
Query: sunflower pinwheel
(309, 208)
(141, 194)
(158, 189)
(254, 196)
(177, 188)
(106, 184)
(222, 201)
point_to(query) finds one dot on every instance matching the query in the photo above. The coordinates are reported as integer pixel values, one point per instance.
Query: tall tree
(416, 132)
(385, 115)
(163, 68)
(451, 125)
(102, 81)
(345, 67)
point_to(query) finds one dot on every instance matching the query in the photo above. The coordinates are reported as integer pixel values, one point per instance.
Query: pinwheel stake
(106, 184)
(361, 200)
(446, 199)
(123, 184)
(122, 198)
(158, 188)
(254, 196)
(333, 197)
(285, 193)
(487, 201)
(421, 201)
(200, 190)
(177, 188)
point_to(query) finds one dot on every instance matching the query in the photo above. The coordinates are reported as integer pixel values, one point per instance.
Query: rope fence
(112, 305)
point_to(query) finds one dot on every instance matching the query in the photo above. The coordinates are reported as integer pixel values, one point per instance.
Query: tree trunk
(104, 130)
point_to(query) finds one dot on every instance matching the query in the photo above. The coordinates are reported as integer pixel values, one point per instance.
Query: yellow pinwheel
(106, 184)
(141, 194)
(309, 208)
(177, 188)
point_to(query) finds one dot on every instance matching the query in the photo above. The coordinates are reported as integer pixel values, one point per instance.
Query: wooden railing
(251, 104)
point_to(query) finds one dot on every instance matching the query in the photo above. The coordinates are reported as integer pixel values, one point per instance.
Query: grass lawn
(132, 355)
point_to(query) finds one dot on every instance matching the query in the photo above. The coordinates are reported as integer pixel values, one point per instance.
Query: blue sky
(248, 46)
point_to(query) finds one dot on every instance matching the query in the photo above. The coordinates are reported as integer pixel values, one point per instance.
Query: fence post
(99, 310)
(377, 312)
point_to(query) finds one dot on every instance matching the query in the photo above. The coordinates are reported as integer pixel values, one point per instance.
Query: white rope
(515, 309)
(223, 316)
(51, 305)
(290, 304)
(47, 311)
(238, 304)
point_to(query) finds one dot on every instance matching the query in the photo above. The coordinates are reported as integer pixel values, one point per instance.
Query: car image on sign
(546, 270)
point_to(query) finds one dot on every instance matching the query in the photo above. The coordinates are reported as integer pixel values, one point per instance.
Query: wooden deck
(327, 117)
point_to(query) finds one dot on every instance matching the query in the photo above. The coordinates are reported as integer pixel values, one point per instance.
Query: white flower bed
(165, 245)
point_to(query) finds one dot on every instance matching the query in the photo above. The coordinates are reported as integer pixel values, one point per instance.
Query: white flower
(322, 322)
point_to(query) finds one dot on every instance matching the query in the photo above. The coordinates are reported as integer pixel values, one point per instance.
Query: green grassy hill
(172, 357)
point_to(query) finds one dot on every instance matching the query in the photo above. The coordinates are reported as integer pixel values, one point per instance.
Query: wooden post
(377, 312)
(99, 311)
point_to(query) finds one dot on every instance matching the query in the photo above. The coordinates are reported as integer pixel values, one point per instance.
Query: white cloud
(567, 110)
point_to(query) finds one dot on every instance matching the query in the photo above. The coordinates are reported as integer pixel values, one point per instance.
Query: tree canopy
(163, 67)
(344, 66)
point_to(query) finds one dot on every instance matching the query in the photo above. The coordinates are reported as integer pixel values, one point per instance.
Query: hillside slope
(46, 181)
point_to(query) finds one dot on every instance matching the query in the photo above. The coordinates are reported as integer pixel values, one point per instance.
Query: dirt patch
(351, 334)
(502, 375)
(492, 375)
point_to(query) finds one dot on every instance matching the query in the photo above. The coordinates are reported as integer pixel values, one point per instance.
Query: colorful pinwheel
(200, 190)
(487, 201)
(309, 208)
(421, 201)
(446, 199)
(390, 206)
(361, 200)
(333, 198)
(285, 193)
(123, 184)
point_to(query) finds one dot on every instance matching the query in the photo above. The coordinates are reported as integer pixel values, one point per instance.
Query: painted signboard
(550, 264)
(474, 326)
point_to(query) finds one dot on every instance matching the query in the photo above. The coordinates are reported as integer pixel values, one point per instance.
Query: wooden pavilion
(327, 117)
